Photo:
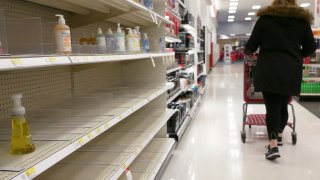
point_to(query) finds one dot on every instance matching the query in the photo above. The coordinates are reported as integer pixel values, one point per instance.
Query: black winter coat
(284, 36)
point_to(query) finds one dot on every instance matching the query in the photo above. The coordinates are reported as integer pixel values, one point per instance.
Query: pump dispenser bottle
(63, 36)
(130, 41)
(145, 43)
(101, 42)
(120, 40)
(111, 42)
(21, 142)
(138, 43)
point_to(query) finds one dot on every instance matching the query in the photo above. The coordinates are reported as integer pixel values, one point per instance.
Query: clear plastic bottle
(120, 40)
(130, 41)
(21, 142)
(63, 36)
(148, 4)
(111, 42)
(101, 42)
(162, 45)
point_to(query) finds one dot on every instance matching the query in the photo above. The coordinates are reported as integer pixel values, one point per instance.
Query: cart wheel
(294, 138)
(243, 137)
(250, 126)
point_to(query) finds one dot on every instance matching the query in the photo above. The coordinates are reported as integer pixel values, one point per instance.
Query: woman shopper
(284, 36)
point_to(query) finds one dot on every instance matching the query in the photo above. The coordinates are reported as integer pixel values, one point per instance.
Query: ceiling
(245, 6)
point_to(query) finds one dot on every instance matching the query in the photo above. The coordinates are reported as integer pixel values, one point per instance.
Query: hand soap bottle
(101, 42)
(138, 43)
(21, 142)
(111, 42)
(63, 36)
(145, 43)
(120, 40)
(130, 40)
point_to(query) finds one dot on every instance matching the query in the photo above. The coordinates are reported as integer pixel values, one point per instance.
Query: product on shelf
(21, 142)
(92, 40)
(148, 3)
(84, 40)
(145, 43)
(162, 45)
(137, 35)
(120, 40)
(111, 42)
(310, 87)
(63, 36)
(1, 49)
(130, 41)
(101, 42)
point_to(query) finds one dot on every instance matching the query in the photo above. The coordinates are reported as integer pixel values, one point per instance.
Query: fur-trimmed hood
(287, 11)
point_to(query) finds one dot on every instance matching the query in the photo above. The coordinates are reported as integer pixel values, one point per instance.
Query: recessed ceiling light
(304, 5)
(230, 20)
(231, 17)
(232, 11)
(251, 13)
(232, 8)
(256, 7)
(233, 4)
(248, 18)
(232, 35)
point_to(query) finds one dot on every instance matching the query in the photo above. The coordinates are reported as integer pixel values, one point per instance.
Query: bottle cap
(110, 32)
(99, 31)
(61, 19)
(130, 31)
(18, 109)
(119, 28)
(145, 35)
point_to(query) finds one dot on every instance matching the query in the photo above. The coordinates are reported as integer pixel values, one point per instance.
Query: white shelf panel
(182, 4)
(201, 74)
(311, 79)
(174, 96)
(43, 158)
(200, 62)
(115, 58)
(115, 150)
(174, 69)
(149, 162)
(171, 39)
(312, 65)
(310, 94)
(15, 63)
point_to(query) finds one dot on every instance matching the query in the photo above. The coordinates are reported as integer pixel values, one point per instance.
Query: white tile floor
(211, 148)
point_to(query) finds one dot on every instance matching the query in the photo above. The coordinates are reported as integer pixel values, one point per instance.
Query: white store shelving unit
(149, 162)
(115, 150)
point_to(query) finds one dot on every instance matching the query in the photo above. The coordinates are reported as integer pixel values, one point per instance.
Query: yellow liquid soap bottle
(21, 142)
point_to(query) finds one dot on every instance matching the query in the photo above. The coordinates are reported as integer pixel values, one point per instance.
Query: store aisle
(211, 148)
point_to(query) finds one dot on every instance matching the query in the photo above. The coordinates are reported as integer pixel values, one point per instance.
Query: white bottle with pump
(120, 40)
(63, 36)
(130, 40)
(138, 43)
(101, 42)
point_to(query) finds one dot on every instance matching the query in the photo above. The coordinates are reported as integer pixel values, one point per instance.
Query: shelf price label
(31, 173)
(52, 60)
(79, 143)
(16, 62)
(90, 135)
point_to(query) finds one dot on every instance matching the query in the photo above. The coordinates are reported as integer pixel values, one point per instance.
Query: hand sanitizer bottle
(101, 42)
(111, 42)
(145, 43)
(130, 40)
(120, 40)
(21, 142)
(138, 39)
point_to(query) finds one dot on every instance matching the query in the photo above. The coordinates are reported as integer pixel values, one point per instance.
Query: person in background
(284, 35)
(221, 58)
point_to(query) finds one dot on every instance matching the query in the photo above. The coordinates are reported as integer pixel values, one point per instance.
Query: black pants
(277, 113)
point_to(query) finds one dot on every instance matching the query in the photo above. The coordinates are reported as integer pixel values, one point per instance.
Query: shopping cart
(251, 97)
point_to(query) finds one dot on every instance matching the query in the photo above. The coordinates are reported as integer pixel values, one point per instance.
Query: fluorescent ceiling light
(232, 35)
(248, 34)
(232, 11)
(248, 18)
(304, 5)
(256, 7)
(251, 13)
(233, 8)
(233, 4)
(233, 0)
(230, 20)
(231, 17)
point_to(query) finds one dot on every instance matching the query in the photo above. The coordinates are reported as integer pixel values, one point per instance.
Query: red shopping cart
(251, 97)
